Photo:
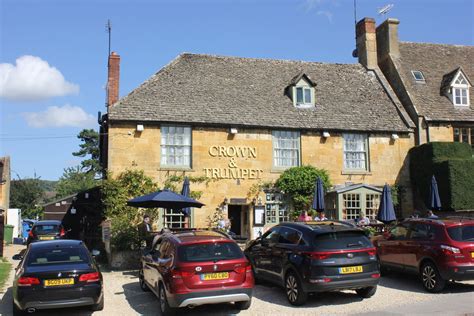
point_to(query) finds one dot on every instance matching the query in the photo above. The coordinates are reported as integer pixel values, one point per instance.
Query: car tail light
(449, 250)
(375, 275)
(178, 274)
(372, 252)
(90, 277)
(28, 281)
(318, 255)
(62, 232)
(31, 234)
(243, 269)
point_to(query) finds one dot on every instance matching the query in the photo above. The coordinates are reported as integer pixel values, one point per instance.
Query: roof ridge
(437, 44)
(186, 54)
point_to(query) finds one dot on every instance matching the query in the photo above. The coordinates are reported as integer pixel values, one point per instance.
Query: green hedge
(453, 166)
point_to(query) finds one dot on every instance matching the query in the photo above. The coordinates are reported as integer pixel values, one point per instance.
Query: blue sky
(53, 53)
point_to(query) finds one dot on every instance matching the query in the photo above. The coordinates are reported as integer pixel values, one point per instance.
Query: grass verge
(5, 268)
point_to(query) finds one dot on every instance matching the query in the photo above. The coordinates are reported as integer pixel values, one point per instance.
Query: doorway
(235, 215)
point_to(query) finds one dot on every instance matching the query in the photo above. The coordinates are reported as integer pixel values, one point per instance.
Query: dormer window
(304, 96)
(456, 86)
(301, 91)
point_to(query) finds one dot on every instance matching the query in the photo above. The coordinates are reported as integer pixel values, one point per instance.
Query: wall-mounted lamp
(394, 136)
(326, 134)
(140, 127)
(233, 130)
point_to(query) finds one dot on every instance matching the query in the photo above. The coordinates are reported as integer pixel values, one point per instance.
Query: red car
(196, 267)
(438, 250)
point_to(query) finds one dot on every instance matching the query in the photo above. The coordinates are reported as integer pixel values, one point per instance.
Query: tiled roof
(207, 90)
(438, 63)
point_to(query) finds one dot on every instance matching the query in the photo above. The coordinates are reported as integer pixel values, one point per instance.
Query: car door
(418, 238)
(287, 242)
(263, 252)
(149, 268)
(391, 248)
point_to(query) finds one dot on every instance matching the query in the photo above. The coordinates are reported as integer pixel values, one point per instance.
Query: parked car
(46, 230)
(196, 267)
(306, 257)
(57, 274)
(438, 250)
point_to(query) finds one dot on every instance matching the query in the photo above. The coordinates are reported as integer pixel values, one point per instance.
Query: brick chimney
(387, 39)
(366, 43)
(113, 79)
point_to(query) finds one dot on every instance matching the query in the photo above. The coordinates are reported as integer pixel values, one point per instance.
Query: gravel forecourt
(395, 294)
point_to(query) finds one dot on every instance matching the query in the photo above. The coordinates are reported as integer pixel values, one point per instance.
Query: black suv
(315, 257)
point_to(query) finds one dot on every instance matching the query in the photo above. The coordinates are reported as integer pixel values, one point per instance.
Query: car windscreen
(342, 240)
(42, 256)
(209, 252)
(46, 229)
(462, 233)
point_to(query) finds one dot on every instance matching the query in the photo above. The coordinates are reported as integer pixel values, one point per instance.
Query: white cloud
(33, 79)
(55, 116)
(327, 14)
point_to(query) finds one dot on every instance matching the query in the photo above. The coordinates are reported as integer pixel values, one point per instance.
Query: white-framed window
(460, 90)
(176, 146)
(174, 219)
(286, 149)
(418, 75)
(372, 203)
(351, 208)
(355, 152)
(304, 96)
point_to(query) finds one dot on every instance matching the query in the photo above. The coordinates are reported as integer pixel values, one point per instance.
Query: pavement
(397, 294)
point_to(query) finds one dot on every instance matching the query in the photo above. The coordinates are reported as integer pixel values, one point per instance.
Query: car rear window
(46, 229)
(462, 233)
(209, 252)
(342, 240)
(43, 256)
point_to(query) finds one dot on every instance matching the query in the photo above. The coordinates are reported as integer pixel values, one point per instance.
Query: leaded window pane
(355, 151)
(286, 148)
(176, 146)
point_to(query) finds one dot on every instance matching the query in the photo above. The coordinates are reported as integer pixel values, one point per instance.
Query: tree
(26, 194)
(116, 192)
(90, 146)
(299, 182)
(74, 180)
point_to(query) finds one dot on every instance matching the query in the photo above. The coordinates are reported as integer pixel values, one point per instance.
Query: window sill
(356, 172)
(280, 170)
(170, 168)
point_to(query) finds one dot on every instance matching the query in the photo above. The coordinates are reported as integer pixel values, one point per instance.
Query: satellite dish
(385, 9)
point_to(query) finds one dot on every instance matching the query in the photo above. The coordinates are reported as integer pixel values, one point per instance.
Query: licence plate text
(347, 270)
(59, 282)
(46, 238)
(215, 276)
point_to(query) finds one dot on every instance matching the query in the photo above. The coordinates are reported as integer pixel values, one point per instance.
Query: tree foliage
(26, 194)
(116, 192)
(74, 180)
(89, 146)
(298, 184)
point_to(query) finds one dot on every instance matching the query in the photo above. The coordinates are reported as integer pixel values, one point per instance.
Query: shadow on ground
(410, 282)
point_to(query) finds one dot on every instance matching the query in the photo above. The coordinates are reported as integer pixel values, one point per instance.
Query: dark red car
(438, 250)
(196, 267)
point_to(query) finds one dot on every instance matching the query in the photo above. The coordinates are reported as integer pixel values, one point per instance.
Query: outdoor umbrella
(185, 192)
(435, 202)
(318, 198)
(165, 199)
(386, 212)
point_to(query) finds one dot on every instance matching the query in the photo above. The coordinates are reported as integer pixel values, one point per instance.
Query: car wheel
(141, 280)
(165, 308)
(294, 290)
(17, 311)
(431, 279)
(367, 292)
(99, 306)
(243, 305)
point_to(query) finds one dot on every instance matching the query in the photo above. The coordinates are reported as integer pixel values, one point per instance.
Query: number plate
(46, 238)
(215, 276)
(59, 282)
(347, 270)
(472, 254)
